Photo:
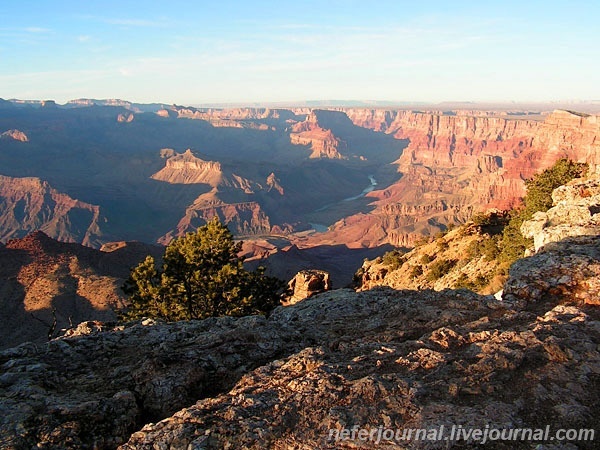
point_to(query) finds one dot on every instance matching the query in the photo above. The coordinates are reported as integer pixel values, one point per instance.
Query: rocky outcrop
(274, 184)
(48, 285)
(125, 118)
(166, 113)
(185, 168)
(322, 142)
(30, 204)
(568, 269)
(16, 135)
(576, 212)
(379, 358)
(307, 283)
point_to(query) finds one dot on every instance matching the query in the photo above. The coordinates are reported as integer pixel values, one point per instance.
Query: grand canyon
(89, 188)
(94, 172)
(304, 188)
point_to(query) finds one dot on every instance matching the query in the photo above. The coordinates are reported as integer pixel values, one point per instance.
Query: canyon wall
(243, 219)
(456, 165)
(29, 204)
(430, 168)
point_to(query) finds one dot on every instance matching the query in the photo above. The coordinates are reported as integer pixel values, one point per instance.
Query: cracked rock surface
(395, 359)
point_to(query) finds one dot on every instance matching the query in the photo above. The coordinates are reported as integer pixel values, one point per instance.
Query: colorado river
(365, 191)
(371, 187)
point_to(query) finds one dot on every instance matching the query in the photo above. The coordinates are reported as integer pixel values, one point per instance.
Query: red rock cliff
(30, 204)
(457, 164)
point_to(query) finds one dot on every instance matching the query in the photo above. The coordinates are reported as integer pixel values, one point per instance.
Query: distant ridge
(590, 106)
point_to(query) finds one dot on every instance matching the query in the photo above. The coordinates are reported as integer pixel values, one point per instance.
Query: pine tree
(201, 276)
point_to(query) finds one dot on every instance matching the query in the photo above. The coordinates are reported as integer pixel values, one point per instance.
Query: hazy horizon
(272, 52)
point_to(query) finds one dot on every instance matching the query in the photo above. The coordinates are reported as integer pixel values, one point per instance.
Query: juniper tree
(201, 275)
(538, 198)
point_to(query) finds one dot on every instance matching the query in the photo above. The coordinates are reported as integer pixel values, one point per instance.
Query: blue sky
(194, 52)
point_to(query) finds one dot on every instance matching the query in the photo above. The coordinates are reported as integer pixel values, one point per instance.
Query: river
(319, 228)
(365, 191)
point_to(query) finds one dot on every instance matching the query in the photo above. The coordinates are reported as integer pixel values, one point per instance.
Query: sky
(223, 51)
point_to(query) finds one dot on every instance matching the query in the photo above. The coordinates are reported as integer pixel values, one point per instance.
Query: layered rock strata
(456, 165)
(30, 204)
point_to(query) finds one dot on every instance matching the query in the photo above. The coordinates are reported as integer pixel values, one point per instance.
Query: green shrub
(488, 247)
(416, 271)
(393, 259)
(476, 285)
(540, 187)
(538, 198)
(439, 268)
(422, 240)
(442, 245)
(463, 281)
(491, 223)
(426, 259)
(357, 278)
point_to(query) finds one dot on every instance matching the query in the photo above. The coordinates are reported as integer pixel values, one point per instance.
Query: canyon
(456, 165)
(378, 358)
(295, 184)
(94, 185)
(277, 171)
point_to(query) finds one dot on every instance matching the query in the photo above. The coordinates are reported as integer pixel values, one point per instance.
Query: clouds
(273, 51)
(37, 30)
(136, 22)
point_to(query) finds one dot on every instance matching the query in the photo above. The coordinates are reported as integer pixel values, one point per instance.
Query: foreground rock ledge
(397, 359)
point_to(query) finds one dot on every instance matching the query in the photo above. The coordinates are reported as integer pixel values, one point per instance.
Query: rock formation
(48, 104)
(576, 212)
(307, 283)
(379, 358)
(30, 204)
(322, 142)
(456, 165)
(274, 184)
(48, 285)
(17, 135)
(242, 218)
(185, 168)
(125, 118)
